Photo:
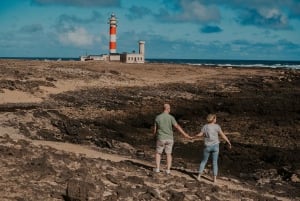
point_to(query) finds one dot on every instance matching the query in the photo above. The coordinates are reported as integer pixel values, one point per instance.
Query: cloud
(288, 45)
(289, 7)
(190, 11)
(280, 49)
(241, 42)
(194, 11)
(263, 17)
(86, 3)
(295, 10)
(77, 37)
(68, 22)
(270, 14)
(211, 29)
(136, 12)
(72, 30)
(7, 40)
(74, 19)
(33, 28)
(162, 47)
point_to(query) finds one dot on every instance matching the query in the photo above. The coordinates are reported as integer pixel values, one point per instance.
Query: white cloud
(77, 37)
(87, 3)
(274, 14)
(191, 11)
(195, 11)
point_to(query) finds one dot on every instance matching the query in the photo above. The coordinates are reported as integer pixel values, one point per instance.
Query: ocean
(198, 62)
(231, 63)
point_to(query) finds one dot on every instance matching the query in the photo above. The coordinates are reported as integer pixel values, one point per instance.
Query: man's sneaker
(168, 171)
(156, 170)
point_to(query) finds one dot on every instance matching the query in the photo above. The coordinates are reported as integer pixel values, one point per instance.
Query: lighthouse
(112, 34)
(113, 56)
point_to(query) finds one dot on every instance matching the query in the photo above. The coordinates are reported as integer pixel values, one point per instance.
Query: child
(211, 132)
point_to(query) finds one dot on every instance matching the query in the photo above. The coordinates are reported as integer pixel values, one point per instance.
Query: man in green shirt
(163, 130)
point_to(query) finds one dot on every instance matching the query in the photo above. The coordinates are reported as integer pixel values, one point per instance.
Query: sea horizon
(290, 64)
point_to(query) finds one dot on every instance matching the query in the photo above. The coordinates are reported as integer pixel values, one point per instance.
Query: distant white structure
(133, 57)
(102, 57)
(113, 56)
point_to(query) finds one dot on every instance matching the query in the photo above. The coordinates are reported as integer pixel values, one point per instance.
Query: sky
(171, 29)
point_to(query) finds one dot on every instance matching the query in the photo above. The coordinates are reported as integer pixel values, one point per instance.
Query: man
(163, 131)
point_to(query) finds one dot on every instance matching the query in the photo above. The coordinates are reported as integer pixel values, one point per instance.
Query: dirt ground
(83, 130)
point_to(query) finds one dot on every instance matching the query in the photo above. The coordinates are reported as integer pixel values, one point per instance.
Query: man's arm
(182, 131)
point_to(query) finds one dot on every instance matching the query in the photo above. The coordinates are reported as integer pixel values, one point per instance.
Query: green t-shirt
(164, 124)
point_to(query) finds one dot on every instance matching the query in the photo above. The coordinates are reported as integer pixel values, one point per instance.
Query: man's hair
(166, 106)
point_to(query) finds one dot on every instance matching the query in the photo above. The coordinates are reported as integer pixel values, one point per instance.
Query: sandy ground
(97, 114)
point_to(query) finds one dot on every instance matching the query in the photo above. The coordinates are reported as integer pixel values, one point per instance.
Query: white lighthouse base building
(132, 58)
(125, 57)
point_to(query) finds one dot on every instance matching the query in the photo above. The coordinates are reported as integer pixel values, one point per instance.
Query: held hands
(197, 136)
(188, 136)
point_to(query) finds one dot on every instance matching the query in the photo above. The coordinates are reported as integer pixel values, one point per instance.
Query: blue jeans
(214, 150)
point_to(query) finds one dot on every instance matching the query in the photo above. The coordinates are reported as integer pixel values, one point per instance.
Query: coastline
(281, 64)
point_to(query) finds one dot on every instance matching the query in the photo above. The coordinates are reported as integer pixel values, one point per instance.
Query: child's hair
(210, 118)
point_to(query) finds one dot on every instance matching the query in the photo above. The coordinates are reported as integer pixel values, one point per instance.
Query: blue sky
(183, 29)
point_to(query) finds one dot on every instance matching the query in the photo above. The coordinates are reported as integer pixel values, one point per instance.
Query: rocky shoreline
(109, 108)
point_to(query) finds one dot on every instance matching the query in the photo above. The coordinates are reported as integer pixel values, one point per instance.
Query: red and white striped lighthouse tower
(112, 34)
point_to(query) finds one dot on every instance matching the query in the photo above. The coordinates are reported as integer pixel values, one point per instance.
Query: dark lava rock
(103, 143)
(191, 185)
(112, 179)
(78, 190)
(176, 196)
(154, 193)
(47, 135)
(135, 180)
(124, 191)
